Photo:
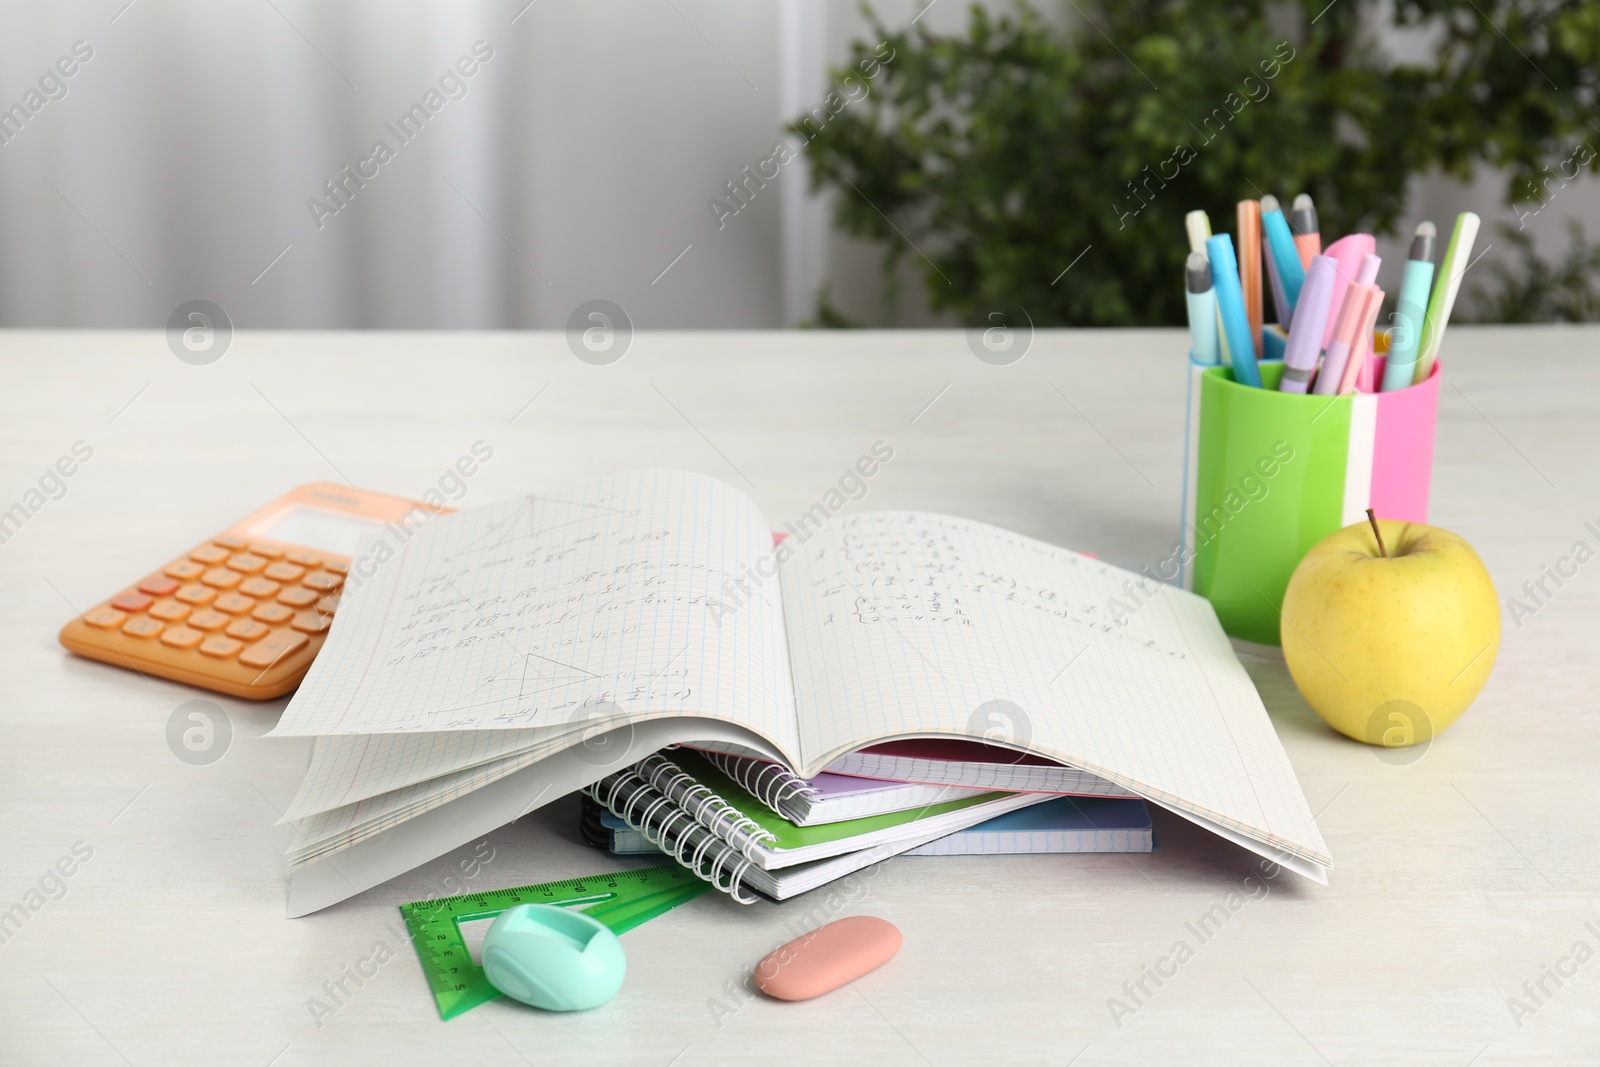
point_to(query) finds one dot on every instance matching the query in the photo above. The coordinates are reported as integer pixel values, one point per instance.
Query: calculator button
(272, 613)
(246, 563)
(336, 567)
(228, 542)
(220, 647)
(221, 578)
(328, 605)
(310, 622)
(246, 629)
(130, 602)
(206, 619)
(233, 603)
(158, 586)
(105, 618)
(323, 583)
(182, 637)
(267, 551)
(305, 559)
(266, 652)
(258, 587)
(169, 611)
(184, 570)
(196, 594)
(209, 555)
(297, 596)
(143, 627)
(284, 572)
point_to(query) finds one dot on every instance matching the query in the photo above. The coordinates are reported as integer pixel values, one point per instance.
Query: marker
(1275, 228)
(1443, 301)
(1307, 236)
(1352, 312)
(1248, 214)
(1349, 251)
(1202, 299)
(1230, 310)
(1305, 337)
(1365, 321)
(1405, 339)
(1284, 311)
(1198, 225)
(1366, 364)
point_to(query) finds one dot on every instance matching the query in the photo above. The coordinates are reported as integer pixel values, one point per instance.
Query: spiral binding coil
(686, 820)
(704, 806)
(770, 783)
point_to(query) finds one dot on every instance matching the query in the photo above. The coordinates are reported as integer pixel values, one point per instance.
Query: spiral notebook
(708, 823)
(826, 797)
(1060, 826)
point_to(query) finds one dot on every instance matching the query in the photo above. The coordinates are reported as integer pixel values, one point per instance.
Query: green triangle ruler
(620, 899)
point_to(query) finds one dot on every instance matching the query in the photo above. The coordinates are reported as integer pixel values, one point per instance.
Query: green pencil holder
(1270, 474)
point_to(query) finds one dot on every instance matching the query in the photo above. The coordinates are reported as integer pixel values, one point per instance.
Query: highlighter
(1248, 214)
(1280, 242)
(1349, 252)
(1230, 310)
(1405, 339)
(1443, 301)
(1307, 235)
(1305, 336)
(1352, 312)
(1202, 300)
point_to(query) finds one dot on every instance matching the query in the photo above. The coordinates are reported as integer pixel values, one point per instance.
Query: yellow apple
(1390, 645)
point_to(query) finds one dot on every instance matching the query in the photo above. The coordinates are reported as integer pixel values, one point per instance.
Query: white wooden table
(1458, 878)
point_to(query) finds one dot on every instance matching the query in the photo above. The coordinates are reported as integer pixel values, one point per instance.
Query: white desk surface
(1458, 878)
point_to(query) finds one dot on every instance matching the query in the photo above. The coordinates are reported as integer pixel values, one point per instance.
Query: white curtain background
(577, 166)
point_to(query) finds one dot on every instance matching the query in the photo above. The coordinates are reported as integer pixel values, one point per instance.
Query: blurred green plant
(992, 160)
(1537, 291)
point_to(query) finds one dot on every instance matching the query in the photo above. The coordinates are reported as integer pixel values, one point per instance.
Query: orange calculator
(246, 611)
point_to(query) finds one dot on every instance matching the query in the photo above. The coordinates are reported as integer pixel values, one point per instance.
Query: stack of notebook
(746, 823)
(501, 657)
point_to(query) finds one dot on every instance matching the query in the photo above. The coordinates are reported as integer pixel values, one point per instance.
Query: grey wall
(577, 164)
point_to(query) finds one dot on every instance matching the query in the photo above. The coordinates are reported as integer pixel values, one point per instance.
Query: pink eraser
(827, 958)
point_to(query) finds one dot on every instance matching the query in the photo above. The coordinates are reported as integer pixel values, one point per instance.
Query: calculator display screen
(327, 531)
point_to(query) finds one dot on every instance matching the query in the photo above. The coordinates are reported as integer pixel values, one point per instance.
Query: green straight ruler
(620, 899)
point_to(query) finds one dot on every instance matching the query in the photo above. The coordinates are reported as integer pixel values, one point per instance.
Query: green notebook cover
(787, 836)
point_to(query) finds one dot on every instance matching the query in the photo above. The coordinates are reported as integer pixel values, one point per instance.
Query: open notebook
(509, 654)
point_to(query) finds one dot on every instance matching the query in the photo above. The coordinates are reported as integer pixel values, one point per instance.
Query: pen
(1352, 310)
(1230, 310)
(1198, 225)
(1305, 336)
(1303, 221)
(1275, 228)
(1248, 214)
(1202, 299)
(1443, 301)
(1405, 338)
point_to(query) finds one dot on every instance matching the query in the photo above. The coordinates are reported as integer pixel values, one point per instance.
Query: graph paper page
(904, 624)
(536, 612)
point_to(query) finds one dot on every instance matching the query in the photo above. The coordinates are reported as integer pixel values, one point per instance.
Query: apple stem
(1377, 533)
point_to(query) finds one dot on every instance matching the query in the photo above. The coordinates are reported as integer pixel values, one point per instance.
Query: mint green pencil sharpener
(553, 958)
